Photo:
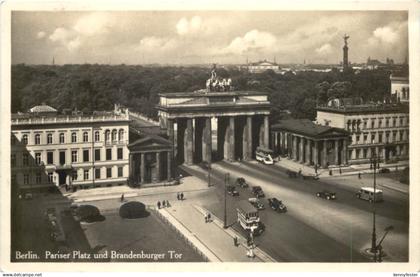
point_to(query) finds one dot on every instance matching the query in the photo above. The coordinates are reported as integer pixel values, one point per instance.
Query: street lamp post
(225, 209)
(209, 179)
(379, 246)
(374, 160)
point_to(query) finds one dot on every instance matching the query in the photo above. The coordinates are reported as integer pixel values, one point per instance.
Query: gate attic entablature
(239, 117)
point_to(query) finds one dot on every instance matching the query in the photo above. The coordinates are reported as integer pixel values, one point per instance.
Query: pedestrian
(205, 219)
(167, 203)
(122, 197)
(209, 217)
(182, 196)
(178, 196)
(339, 170)
(164, 203)
(360, 175)
(330, 172)
(300, 171)
(158, 204)
(235, 241)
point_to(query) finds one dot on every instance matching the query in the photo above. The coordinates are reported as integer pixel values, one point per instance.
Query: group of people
(180, 196)
(164, 204)
(207, 218)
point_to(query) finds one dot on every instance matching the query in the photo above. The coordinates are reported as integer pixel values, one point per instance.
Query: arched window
(25, 139)
(107, 133)
(37, 139)
(114, 135)
(61, 137)
(73, 137)
(85, 137)
(49, 139)
(121, 135)
(96, 135)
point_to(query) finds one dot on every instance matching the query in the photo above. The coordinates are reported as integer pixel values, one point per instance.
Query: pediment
(150, 143)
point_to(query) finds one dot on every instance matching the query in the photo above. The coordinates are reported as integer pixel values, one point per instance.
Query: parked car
(257, 191)
(384, 170)
(28, 196)
(232, 191)
(277, 205)
(256, 203)
(241, 182)
(326, 195)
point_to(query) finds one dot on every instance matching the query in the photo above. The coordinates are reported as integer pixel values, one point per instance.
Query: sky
(204, 37)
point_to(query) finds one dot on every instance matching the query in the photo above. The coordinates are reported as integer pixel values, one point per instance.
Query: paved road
(313, 229)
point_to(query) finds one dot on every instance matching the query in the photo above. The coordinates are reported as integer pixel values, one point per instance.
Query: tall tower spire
(53, 61)
(345, 53)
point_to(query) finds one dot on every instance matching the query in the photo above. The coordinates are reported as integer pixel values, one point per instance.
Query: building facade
(381, 129)
(79, 150)
(400, 90)
(260, 67)
(308, 143)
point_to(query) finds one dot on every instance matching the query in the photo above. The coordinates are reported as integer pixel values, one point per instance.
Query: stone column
(316, 150)
(230, 140)
(308, 151)
(294, 148)
(188, 143)
(207, 140)
(142, 167)
(266, 132)
(283, 143)
(337, 162)
(324, 154)
(302, 150)
(247, 139)
(170, 129)
(158, 166)
(169, 177)
(345, 158)
(130, 168)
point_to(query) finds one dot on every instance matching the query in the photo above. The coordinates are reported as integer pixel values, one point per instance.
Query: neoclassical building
(309, 143)
(82, 150)
(382, 129)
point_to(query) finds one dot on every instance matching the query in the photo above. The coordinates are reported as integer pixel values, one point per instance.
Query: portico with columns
(239, 121)
(150, 160)
(308, 143)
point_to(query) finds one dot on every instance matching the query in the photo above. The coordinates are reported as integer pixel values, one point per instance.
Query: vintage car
(232, 190)
(257, 191)
(256, 203)
(326, 195)
(277, 205)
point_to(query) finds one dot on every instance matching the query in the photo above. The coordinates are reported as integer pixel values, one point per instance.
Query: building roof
(42, 109)
(308, 128)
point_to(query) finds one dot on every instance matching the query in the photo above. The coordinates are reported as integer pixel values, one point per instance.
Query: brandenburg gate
(240, 119)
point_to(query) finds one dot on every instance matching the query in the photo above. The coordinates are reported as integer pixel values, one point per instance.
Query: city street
(315, 229)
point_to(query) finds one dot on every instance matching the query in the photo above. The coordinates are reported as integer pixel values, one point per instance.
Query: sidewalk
(345, 170)
(212, 238)
(188, 184)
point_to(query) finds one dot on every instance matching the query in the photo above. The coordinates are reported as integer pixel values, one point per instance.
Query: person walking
(205, 218)
(235, 241)
(158, 204)
(122, 197)
(208, 217)
(360, 175)
(178, 197)
(167, 203)
(182, 196)
(163, 203)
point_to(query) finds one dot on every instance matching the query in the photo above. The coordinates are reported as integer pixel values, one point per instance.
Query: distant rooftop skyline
(199, 37)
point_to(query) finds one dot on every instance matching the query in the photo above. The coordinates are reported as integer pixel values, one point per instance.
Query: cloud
(185, 26)
(156, 44)
(93, 24)
(41, 34)
(324, 49)
(389, 34)
(61, 35)
(252, 41)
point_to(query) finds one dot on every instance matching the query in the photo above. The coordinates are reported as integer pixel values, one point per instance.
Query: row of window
(380, 137)
(74, 176)
(363, 153)
(353, 125)
(62, 156)
(85, 137)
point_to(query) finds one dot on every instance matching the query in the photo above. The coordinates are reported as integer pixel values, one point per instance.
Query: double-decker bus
(249, 218)
(264, 155)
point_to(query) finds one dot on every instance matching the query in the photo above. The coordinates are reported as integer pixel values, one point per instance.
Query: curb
(191, 237)
(258, 252)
